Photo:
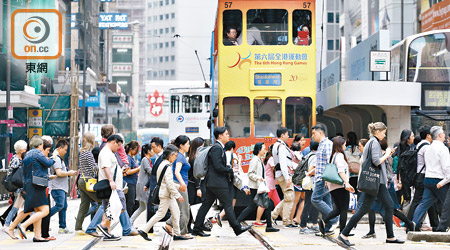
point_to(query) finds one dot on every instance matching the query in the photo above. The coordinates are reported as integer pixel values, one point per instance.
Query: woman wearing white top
(339, 192)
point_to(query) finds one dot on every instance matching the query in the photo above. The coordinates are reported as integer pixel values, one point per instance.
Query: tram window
(192, 103)
(232, 27)
(301, 20)
(298, 115)
(267, 116)
(266, 27)
(174, 104)
(236, 114)
(207, 103)
(429, 59)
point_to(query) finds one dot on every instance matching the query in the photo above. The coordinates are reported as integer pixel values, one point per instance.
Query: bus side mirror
(208, 124)
(319, 110)
(215, 112)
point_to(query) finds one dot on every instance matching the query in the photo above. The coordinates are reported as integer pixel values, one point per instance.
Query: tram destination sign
(267, 79)
(380, 61)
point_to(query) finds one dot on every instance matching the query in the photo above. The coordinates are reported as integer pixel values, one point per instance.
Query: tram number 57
(306, 5)
(228, 5)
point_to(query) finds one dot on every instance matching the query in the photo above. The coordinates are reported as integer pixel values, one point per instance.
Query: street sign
(34, 131)
(113, 21)
(380, 61)
(7, 121)
(35, 117)
(16, 125)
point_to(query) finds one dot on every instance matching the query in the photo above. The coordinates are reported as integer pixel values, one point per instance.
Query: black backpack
(407, 165)
(299, 172)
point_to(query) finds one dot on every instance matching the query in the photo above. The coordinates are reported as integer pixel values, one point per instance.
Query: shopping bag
(114, 207)
(307, 183)
(369, 178)
(262, 188)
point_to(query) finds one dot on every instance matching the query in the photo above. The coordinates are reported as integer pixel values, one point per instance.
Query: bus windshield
(429, 59)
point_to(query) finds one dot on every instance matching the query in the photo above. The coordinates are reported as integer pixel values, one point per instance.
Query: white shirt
(437, 160)
(421, 155)
(107, 159)
(282, 155)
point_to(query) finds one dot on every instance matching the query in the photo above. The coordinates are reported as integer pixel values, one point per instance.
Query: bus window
(232, 27)
(429, 59)
(267, 117)
(174, 104)
(301, 20)
(236, 115)
(298, 115)
(192, 103)
(207, 103)
(266, 27)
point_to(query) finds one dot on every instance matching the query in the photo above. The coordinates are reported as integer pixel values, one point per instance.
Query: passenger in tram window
(253, 32)
(303, 36)
(302, 125)
(263, 127)
(230, 39)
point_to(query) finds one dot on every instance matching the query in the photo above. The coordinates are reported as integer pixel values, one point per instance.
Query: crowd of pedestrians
(291, 180)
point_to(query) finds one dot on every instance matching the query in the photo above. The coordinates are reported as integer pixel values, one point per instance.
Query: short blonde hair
(35, 142)
(20, 145)
(377, 126)
(88, 141)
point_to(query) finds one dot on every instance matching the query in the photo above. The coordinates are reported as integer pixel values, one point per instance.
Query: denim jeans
(60, 207)
(430, 195)
(321, 199)
(92, 209)
(124, 221)
(11, 215)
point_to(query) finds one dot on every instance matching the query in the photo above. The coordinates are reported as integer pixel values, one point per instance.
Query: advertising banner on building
(437, 17)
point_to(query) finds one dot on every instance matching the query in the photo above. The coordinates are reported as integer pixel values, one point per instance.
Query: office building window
(172, 58)
(337, 45)
(149, 5)
(155, 46)
(149, 61)
(167, 16)
(172, 72)
(161, 17)
(161, 73)
(149, 32)
(167, 30)
(167, 2)
(173, 1)
(149, 19)
(155, 32)
(155, 18)
(161, 31)
(161, 3)
(330, 44)
(149, 46)
(149, 74)
(155, 59)
(167, 44)
(173, 15)
(155, 74)
(161, 59)
(172, 43)
(337, 17)
(161, 45)
(172, 29)
(167, 58)
(166, 72)
(330, 17)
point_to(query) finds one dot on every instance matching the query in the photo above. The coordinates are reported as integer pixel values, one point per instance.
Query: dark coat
(218, 175)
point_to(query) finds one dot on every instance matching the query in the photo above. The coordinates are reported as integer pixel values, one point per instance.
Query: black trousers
(223, 195)
(341, 199)
(130, 198)
(45, 225)
(310, 213)
(252, 207)
(366, 203)
(418, 195)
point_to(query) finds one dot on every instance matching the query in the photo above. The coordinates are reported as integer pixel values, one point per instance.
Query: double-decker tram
(266, 54)
(425, 58)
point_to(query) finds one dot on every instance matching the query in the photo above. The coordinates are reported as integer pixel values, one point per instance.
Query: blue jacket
(36, 162)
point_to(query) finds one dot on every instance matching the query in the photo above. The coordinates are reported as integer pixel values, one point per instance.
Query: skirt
(36, 196)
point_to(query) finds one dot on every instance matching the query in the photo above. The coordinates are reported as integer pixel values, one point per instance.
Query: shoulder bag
(330, 173)
(369, 179)
(155, 194)
(39, 181)
(103, 189)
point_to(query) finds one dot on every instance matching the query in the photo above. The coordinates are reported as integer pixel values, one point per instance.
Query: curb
(429, 236)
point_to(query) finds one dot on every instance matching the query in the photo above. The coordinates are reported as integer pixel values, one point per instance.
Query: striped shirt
(88, 167)
(323, 155)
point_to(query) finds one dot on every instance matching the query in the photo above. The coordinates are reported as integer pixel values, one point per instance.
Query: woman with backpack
(339, 193)
(353, 155)
(255, 179)
(405, 145)
(299, 199)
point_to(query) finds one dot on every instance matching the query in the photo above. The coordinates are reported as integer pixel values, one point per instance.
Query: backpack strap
(162, 174)
(418, 149)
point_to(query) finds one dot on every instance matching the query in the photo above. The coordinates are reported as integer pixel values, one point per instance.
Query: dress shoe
(206, 229)
(369, 235)
(272, 229)
(200, 233)
(95, 234)
(144, 235)
(40, 240)
(396, 241)
(346, 242)
(242, 230)
(180, 237)
(219, 220)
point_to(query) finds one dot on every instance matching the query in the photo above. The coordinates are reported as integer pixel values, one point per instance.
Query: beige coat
(168, 187)
(255, 172)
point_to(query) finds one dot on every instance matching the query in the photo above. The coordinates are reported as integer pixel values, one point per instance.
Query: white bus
(189, 112)
(145, 135)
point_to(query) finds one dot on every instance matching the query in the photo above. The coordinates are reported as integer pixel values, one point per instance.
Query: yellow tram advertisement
(266, 54)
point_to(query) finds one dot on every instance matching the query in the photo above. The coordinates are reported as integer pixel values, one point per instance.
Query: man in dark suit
(219, 180)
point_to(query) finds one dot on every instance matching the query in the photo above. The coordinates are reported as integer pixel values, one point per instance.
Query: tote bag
(369, 178)
(330, 173)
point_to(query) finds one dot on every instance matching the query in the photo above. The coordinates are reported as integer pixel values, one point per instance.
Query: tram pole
(212, 105)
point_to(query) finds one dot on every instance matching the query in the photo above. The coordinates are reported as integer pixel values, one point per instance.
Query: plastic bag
(114, 207)
(307, 183)
(262, 188)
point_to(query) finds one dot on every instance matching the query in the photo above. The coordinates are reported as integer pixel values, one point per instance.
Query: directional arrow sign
(16, 125)
(7, 121)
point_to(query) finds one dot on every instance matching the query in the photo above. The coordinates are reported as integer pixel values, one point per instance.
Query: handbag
(39, 181)
(262, 200)
(103, 189)
(330, 173)
(354, 167)
(369, 178)
(90, 182)
(155, 194)
(6, 181)
(17, 178)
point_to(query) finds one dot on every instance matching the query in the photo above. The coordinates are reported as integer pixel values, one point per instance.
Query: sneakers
(315, 229)
(290, 226)
(64, 231)
(111, 238)
(95, 234)
(79, 232)
(104, 230)
(305, 230)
